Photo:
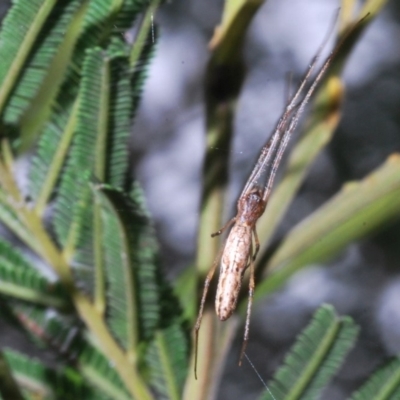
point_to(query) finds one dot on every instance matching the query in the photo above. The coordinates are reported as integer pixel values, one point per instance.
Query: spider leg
(257, 242)
(248, 313)
(227, 225)
(202, 302)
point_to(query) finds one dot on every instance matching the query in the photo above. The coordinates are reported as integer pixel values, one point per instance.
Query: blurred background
(168, 143)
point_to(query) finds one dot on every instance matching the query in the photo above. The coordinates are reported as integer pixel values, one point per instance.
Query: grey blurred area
(4, 4)
(168, 142)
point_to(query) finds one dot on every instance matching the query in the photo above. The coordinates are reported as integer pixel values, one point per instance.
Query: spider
(239, 252)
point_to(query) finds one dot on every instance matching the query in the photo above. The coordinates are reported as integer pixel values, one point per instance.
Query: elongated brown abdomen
(234, 262)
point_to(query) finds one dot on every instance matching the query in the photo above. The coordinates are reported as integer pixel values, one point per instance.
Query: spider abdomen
(234, 261)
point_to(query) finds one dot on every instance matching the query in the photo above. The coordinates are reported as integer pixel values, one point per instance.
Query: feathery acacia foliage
(70, 84)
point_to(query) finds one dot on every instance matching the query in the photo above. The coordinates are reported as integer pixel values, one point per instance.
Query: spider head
(251, 206)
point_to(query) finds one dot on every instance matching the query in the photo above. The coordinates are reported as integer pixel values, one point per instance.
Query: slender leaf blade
(20, 28)
(98, 372)
(41, 55)
(36, 379)
(19, 278)
(82, 158)
(115, 258)
(167, 359)
(314, 358)
(140, 247)
(384, 384)
(99, 21)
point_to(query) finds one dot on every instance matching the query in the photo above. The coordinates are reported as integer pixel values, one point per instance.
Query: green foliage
(20, 30)
(168, 362)
(315, 358)
(107, 289)
(38, 381)
(384, 384)
(45, 48)
(20, 279)
(70, 84)
(101, 375)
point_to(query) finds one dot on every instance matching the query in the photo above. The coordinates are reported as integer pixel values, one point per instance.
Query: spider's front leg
(256, 241)
(227, 225)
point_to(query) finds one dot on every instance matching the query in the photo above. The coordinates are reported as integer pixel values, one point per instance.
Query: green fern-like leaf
(144, 252)
(39, 381)
(100, 149)
(137, 235)
(99, 20)
(384, 384)
(167, 358)
(20, 29)
(104, 21)
(51, 152)
(113, 256)
(91, 136)
(46, 46)
(315, 357)
(120, 121)
(20, 279)
(98, 372)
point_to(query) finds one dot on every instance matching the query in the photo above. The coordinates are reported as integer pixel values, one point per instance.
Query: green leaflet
(99, 28)
(130, 265)
(98, 372)
(50, 155)
(89, 154)
(315, 357)
(39, 381)
(20, 279)
(167, 359)
(102, 129)
(20, 29)
(103, 118)
(113, 257)
(127, 88)
(384, 384)
(99, 20)
(90, 137)
(59, 332)
(41, 55)
(145, 255)
(119, 122)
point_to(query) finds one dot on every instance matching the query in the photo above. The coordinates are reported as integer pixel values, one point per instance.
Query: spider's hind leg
(248, 313)
(201, 309)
